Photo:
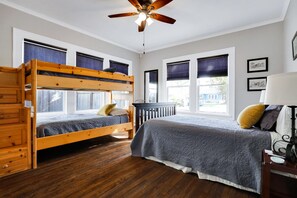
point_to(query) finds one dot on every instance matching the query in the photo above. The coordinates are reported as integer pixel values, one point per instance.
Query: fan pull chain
(143, 44)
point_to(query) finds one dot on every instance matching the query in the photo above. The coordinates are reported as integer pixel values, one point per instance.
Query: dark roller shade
(154, 77)
(178, 70)
(88, 61)
(213, 66)
(119, 67)
(43, 52)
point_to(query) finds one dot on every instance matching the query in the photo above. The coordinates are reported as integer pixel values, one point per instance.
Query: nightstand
(275, 179)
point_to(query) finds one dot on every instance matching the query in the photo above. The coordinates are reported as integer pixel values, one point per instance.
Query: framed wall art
(256, 84)
(257, 65)
(294, 46)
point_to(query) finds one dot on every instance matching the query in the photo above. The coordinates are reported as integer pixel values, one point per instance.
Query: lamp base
(291, 153)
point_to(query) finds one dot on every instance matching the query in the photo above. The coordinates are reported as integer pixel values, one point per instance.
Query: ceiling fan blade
(142, 26)
(123, 14)
(158, 4)
(136, 4)
(162, 18)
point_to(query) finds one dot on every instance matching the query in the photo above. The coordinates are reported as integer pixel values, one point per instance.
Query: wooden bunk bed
(100, 81)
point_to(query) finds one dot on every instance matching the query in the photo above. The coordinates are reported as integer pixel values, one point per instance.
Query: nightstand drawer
(12, 162)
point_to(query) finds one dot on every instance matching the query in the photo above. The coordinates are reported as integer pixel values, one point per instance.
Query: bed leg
(131, 134)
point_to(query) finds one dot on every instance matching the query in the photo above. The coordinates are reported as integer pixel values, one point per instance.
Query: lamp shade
(262, 97)
(281, 89)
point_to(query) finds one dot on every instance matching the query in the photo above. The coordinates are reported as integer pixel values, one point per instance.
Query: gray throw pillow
(268, 120)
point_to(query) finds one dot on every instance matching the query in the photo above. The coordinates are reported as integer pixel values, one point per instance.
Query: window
(50, 101)
(88, 61)
(89, 100)
(212, 84)
(119, 67)
(178, 84)
(43, 52)
(47, 100)
(204, 84)
(120, 99)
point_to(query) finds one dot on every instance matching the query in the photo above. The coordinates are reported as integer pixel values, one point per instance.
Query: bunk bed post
(33, 65)
(22, 80)
(131, 112)
(131, 116)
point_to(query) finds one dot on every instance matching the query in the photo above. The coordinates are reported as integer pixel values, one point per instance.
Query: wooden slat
(81, 84)
(57, 140)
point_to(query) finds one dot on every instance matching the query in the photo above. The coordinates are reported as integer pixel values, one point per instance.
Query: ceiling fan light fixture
(142, 16)
(149, 21)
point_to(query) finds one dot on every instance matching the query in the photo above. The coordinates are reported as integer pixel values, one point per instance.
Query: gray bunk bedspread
(212, 146)
(77, 122)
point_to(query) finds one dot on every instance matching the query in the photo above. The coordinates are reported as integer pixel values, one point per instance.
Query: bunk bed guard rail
(147, 111)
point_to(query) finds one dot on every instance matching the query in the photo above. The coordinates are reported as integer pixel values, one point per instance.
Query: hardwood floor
(103, 167)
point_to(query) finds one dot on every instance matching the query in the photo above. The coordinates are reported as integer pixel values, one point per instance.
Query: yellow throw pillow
(250, 115)
(106, 109)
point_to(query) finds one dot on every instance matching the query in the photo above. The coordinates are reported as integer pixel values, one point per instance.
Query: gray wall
(290, 28)
(264, 41)
(10, 18)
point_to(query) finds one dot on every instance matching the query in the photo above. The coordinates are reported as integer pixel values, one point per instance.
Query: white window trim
(193, 78)
(18, 56)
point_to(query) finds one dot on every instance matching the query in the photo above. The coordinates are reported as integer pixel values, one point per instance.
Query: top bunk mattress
(70, 123)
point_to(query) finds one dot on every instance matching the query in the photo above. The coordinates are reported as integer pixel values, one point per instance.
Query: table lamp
(262, 96)
(281, 89)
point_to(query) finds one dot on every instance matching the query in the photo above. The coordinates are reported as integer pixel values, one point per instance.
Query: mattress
(54, 125)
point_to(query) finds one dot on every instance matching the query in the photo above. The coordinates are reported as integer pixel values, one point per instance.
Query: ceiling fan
(144, 12)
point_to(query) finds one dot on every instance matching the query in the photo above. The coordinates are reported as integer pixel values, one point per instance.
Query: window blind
(43, 52)
(153, 77)
(214, 66)
(119, 67)
(178, 70)
(88, 61)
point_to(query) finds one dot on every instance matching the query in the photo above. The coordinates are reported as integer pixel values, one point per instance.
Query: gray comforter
(69, 123)
(212, 146)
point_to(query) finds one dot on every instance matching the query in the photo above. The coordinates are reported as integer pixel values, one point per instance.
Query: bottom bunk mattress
(49, 126)
(219, 148)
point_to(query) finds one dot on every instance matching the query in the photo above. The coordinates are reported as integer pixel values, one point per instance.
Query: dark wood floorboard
(104, 167)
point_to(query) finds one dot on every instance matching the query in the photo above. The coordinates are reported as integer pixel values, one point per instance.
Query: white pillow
(284, 122)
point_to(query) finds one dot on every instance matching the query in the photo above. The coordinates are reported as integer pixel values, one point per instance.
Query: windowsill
(206, 115)
(87, 111)
(50, 114)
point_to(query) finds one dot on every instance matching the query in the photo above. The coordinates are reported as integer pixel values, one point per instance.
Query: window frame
(193, 81)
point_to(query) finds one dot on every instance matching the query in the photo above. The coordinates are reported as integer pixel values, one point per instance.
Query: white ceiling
(195, 19)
